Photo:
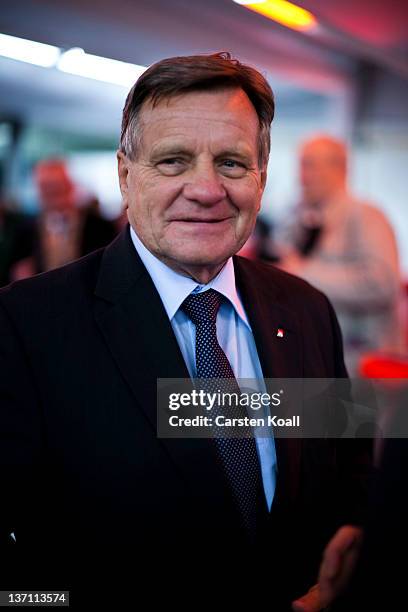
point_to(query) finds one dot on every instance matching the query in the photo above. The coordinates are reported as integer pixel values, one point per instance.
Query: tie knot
(202, 307)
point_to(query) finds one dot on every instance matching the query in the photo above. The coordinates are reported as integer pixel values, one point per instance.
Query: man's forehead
(180, 119)
(220, 104)
(192, 127)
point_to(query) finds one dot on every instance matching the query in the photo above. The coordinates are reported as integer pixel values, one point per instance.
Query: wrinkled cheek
(247, 217)
(151, 215)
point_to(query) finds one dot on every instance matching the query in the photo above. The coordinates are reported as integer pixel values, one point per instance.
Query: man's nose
(204, 185)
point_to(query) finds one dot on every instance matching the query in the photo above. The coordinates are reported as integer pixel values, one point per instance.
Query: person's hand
(338, 563)
(311, 602)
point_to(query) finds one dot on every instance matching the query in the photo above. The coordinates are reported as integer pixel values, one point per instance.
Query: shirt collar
(173, 287)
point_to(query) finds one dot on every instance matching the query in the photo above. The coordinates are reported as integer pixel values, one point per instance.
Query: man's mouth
(197, 220)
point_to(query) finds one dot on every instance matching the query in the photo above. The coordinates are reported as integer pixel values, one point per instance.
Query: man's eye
(171, 166)
(232, 163)
(233, 168)
(171, 161)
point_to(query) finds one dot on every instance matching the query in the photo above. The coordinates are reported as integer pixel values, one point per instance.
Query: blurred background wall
(346, 75)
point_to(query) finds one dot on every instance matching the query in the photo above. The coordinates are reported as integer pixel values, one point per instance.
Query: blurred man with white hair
(346, 248)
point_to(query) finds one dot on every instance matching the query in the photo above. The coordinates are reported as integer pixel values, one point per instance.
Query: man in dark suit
(64, 229)
(95, 500)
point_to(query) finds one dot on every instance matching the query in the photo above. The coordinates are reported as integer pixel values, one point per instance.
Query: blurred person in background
(347, 249)
(64, 229)
(260, 244)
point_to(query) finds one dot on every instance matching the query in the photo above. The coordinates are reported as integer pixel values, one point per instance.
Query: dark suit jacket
(91, 490)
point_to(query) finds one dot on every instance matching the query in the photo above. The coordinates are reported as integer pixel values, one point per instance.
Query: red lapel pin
(280, 332)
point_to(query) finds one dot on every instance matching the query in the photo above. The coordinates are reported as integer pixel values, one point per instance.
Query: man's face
(322, 172)
(194, 189)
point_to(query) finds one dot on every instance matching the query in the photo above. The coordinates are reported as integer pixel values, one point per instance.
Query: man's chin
(198, 260)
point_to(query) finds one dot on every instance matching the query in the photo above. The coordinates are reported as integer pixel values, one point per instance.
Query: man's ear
(123, 173)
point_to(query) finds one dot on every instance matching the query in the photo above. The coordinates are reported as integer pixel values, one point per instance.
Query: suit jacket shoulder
(292, 290)
(49, 291)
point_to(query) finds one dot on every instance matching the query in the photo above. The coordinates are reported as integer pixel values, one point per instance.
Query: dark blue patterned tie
(238, 456)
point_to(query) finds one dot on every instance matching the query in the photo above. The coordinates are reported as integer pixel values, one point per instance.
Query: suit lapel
(280, 357)
(131, 317)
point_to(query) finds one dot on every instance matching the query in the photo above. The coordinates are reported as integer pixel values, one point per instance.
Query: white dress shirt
(234, 335)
